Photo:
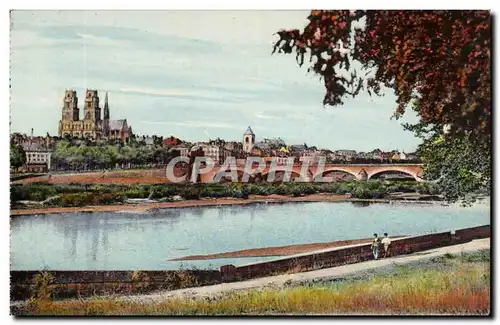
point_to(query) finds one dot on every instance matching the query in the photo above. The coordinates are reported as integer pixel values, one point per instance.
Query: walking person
(375, 246)
(386, 242)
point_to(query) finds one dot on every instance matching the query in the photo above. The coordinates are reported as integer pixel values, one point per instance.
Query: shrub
(69, 188)
(77, 199)
(364, 193)
(191, 193)
(135, 193)
(32, 192)
(261, 189)
(102, 189)
(107, 198)
(42, 291)
(282, 189)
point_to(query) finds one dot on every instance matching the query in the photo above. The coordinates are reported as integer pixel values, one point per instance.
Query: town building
(311, 154)
(210, 150)
(274, 143)
(346, 154)
(22, 139)
(183, 150)
(94, 125)
(148, 141)
(171, 141)
(37, 158)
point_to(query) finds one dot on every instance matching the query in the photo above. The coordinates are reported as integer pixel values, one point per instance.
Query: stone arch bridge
(318, 174)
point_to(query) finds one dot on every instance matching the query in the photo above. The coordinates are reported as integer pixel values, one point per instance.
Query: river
(146, 241)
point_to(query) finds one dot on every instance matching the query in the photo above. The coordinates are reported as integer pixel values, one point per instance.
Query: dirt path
(127, 177)
(143, 207)
(218, 290)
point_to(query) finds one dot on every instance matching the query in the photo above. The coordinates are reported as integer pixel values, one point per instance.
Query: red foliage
(443, 58)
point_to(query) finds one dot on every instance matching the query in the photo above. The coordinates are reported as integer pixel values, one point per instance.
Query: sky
(192, 74)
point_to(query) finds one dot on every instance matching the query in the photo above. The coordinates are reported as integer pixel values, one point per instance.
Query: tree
(459, 165)
(17, 156)
(440, 59)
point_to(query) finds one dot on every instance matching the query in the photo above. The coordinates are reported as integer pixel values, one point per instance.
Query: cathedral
(93, 126)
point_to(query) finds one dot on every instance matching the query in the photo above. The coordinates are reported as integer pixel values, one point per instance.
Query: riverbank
(204, 202)
(207, 202)
(43, 196)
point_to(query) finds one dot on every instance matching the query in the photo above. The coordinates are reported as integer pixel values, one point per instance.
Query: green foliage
(440, 57)
(136, 193)
(445, 73)
(88, 198)
(458, 164)
(17, 156)
(69, 156)
(33, 192)
(42, 291)
(81, 195)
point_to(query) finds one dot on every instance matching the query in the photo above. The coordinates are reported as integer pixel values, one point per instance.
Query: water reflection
(199, 212)
(73, 239)
(105, 230)
(361, 204)
(96, 241)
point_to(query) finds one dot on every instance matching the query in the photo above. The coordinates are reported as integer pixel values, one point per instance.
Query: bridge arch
(333, 170)
(278, 176)
(378, 173)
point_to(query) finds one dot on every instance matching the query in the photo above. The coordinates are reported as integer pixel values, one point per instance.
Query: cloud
(265, 117)
(160, 92)
(196, 124)
(167, 74)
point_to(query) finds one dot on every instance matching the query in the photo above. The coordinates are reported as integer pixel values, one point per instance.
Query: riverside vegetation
(451, 284)
(77, 195)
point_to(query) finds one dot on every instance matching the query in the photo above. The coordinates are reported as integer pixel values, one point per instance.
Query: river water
(146, 241)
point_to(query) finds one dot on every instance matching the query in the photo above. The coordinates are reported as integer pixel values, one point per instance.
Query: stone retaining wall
(84, 283)
(349, 255)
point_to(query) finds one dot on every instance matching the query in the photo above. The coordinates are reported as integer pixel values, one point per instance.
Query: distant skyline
(190, 74)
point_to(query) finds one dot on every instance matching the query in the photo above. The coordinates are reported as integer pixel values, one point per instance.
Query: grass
(461, 288)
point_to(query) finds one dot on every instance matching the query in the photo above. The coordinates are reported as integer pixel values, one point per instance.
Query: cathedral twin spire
(92, 109)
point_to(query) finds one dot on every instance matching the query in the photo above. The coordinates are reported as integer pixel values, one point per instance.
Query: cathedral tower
(70, 111)
(70, 114)
(92, 123)
(92, 110)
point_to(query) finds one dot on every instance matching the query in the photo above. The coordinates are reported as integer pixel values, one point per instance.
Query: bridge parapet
(315, 173)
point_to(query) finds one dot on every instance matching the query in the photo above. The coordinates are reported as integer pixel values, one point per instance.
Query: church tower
(70, 111)
(248, 140)
(92, 110)
(92, 122)
(105, 120)
(106, 107)
(70, 114)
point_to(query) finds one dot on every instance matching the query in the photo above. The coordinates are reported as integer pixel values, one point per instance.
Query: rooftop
(116, 124)
(249, 131)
